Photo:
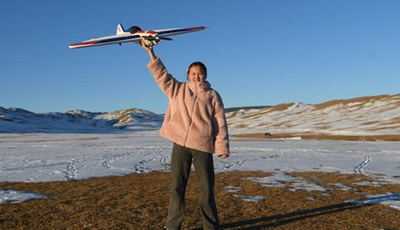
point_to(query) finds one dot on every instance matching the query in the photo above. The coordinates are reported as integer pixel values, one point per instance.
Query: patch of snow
(342, 187)
(13, 197)
(250, 198)
(284, 180)
(390, 199)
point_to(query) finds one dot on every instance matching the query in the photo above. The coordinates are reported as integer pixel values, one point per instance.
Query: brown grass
(362, 100)
(280, 107)
(139, 201)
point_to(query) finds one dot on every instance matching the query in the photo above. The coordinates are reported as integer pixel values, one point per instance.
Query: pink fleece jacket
(195, 116)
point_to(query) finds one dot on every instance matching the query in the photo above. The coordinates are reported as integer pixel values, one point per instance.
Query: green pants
(181, 162)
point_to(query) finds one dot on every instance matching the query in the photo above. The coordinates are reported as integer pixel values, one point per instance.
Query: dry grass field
(139, 201)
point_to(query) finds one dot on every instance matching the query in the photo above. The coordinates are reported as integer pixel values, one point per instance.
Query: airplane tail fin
(120, 29)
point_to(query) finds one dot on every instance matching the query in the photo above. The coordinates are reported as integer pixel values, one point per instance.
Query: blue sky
(262, 52)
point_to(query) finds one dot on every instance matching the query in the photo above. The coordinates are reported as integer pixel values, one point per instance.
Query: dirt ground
(139, 201)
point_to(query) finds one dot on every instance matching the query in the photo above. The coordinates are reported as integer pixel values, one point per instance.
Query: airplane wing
(176, 31)
(123, 37)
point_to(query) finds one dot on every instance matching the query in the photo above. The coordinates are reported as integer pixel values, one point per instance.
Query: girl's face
(196, 74)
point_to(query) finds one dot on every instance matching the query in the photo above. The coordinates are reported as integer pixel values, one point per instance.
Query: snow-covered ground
(54, 157)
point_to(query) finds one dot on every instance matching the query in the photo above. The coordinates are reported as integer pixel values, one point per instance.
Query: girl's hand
(148, 49)
(143, 44)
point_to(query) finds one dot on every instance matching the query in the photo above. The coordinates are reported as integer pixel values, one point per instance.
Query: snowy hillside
(16, 120)
(359, 116)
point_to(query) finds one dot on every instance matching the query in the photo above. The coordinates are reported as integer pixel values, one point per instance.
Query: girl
(195, 122)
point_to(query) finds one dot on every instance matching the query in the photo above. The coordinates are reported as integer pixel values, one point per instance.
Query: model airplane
(135, 34)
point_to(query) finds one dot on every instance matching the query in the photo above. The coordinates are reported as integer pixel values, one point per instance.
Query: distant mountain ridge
(16, 120)
(357, 116)
(372, 115)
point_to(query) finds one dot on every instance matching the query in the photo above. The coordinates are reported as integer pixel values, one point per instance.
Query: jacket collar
(199, 86)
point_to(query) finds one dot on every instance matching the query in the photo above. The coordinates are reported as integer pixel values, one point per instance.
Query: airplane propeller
(154, 39)
(166, 38)
(151, 39)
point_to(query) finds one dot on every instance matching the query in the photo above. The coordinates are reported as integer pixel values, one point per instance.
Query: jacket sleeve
(167, 83)
(220, 128)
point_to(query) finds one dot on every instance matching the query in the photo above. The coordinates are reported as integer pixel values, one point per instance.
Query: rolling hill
(371, 115)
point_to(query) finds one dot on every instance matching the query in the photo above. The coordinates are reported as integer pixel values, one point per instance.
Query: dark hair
(202, 66)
